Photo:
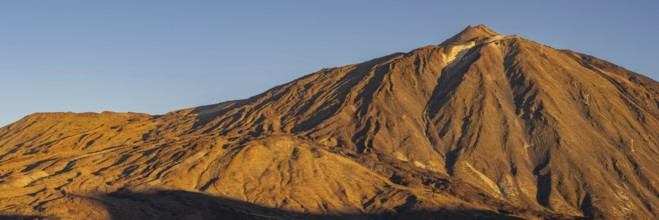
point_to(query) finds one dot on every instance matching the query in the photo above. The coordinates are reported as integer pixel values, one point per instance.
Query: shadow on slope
(190, 205)
(21, 217)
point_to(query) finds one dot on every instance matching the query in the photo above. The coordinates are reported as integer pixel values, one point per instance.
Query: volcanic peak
(471, 33)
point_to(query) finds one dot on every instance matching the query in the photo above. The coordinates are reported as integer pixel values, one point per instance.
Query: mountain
(481, 126)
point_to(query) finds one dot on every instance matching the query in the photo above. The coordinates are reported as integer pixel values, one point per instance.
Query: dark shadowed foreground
(188, 205)
(181, 204)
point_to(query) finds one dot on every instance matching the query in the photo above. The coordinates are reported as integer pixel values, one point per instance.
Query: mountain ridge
(480, 121)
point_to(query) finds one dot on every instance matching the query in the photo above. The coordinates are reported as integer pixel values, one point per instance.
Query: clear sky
(160, 55)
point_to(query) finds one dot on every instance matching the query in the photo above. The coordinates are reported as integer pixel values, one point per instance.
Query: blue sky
(160, 55)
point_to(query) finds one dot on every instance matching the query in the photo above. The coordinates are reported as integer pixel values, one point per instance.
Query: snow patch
(457, 52)
(419, 164)
(400, 156)
(486, 183)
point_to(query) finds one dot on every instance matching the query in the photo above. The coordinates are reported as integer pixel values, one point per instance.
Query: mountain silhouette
(480, 126)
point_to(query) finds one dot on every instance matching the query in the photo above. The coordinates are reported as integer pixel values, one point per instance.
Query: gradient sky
(158, 56)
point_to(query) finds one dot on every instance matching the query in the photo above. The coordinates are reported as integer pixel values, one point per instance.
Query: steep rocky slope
(479, 126)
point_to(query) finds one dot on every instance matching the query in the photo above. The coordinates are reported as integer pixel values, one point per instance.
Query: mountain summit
(472, 33)
(479, 126)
